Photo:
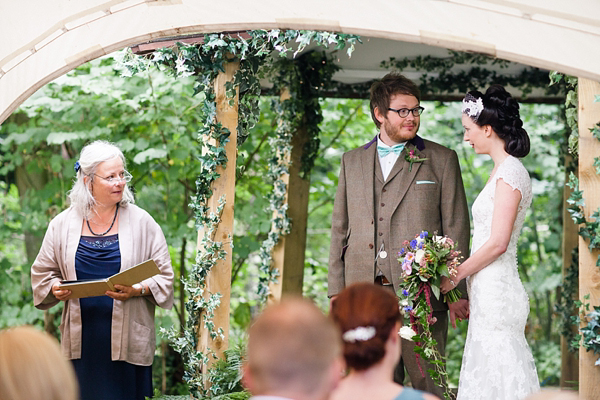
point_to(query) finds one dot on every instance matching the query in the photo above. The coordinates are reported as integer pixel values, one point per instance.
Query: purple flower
(402, 251)
(77, 166)
(423, 234)
(413, 243)
(405, 292)
(408, 308)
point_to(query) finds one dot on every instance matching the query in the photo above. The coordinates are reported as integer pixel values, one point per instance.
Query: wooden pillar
(589, 182)
(288, 254)
(219, 278)
(569, 369)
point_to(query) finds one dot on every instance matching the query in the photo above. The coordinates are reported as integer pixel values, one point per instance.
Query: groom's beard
(402, 132)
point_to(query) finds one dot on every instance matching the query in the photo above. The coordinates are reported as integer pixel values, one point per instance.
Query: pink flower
(407, 267)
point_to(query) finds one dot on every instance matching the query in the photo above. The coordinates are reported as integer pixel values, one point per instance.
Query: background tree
(154, 119)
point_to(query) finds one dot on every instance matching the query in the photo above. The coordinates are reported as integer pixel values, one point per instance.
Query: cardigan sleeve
(45, 271)
(160, 285)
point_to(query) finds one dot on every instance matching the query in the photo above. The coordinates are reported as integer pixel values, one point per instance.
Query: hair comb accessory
(361, 334)
(472, 106)
(77, 166)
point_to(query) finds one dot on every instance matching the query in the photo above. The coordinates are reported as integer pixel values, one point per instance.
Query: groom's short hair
(292, 348)
(391, 84)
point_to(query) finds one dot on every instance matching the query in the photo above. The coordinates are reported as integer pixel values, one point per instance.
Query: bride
(497, 362)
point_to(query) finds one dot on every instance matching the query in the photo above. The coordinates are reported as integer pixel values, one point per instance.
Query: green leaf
(150, 154)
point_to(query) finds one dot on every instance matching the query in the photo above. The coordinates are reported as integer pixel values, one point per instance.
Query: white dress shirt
(387, 162)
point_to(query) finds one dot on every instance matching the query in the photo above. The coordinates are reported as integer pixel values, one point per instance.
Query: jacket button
(380, 233)
(382, 204)
(380, 218)
(384, 190)
(370, 245)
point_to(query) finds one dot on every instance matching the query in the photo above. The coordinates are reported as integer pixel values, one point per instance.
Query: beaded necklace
(109, 228)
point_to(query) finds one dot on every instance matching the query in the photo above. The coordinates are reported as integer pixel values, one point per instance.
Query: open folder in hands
(97, 287)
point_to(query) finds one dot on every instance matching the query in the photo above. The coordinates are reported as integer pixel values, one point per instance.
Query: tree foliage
(155, 119)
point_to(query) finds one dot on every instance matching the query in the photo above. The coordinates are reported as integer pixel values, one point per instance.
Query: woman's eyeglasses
(123, 176)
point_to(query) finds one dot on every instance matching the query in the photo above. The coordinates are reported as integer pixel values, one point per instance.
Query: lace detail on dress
(497, 361)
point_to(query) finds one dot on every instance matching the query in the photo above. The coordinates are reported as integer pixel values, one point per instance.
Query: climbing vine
(441, 77)
(589, 229)
(258, 52)
(303, 79)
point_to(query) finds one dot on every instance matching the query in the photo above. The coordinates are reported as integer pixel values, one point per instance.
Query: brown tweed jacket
(439, 205)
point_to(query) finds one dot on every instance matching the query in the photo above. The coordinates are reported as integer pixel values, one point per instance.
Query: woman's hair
(92, 155)
(501, 112)
(33, 367)
(365, 306)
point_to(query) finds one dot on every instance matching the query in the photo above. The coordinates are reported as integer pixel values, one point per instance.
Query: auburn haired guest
(369, 319)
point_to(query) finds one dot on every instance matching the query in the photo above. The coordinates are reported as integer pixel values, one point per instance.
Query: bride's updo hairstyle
(501, 112)
(366, 314)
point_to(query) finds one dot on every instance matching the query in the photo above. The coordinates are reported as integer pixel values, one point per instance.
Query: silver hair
(92, 155)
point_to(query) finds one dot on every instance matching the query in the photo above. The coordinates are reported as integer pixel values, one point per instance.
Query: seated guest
(33, 368)
(294, 352)
(369, 319)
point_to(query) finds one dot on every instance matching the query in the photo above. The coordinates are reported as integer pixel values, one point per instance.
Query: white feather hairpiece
(472, 106)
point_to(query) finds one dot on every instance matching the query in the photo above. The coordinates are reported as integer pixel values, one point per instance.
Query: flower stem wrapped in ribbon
(425, 260)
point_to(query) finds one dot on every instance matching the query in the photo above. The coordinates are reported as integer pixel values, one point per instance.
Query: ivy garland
(204, 62)
(303, 78)
(589, 336)
(474, 73)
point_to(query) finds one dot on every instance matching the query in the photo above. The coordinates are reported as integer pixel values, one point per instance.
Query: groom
(383, 199)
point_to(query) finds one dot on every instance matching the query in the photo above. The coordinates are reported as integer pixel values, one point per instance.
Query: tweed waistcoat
(383, 210)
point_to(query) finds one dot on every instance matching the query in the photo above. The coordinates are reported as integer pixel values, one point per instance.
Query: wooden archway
(43, 40)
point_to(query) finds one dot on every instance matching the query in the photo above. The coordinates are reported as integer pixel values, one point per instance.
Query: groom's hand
(459, 309)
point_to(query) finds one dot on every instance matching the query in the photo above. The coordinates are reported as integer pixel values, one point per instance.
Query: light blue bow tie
(384, 151)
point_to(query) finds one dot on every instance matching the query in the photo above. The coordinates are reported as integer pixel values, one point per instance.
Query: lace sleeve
(514, 174)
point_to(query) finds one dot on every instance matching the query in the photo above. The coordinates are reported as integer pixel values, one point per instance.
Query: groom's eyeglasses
(403, 112)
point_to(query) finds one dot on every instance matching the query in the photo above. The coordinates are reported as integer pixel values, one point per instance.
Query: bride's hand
(447, 285)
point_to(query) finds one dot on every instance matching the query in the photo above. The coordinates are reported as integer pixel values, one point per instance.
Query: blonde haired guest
(32, 367)
(294, 352)
(111, 338)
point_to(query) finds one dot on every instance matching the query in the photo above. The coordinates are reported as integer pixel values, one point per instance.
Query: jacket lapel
(406, 175)
(367, 161)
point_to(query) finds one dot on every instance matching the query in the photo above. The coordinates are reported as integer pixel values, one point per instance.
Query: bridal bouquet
(425, 260)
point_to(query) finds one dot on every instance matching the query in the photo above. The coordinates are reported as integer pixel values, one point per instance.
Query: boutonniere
(412, 157)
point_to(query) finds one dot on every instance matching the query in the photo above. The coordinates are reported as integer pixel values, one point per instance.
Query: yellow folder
(97, 287)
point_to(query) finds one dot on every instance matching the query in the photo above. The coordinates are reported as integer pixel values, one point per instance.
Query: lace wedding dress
(497, 362)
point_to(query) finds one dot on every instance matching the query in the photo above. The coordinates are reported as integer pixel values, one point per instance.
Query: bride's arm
(506, 204)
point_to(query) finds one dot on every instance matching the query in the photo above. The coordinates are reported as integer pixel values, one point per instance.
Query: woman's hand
(447, 284)
(60, 294)
(123, 292)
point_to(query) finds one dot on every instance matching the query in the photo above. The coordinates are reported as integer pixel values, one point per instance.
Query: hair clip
(361, 333)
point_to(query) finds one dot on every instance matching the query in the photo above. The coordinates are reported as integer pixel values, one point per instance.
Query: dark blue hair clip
(77, 166)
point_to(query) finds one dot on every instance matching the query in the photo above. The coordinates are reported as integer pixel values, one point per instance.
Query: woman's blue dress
(99, 377)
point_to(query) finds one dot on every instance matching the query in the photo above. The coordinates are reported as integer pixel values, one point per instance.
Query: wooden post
(288, 253)
(589, 182)
(219, 278)
(569, 369)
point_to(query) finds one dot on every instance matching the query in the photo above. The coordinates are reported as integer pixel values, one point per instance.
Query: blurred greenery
(154, 119)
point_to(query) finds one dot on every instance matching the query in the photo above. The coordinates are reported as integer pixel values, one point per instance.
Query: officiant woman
(110, 339)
